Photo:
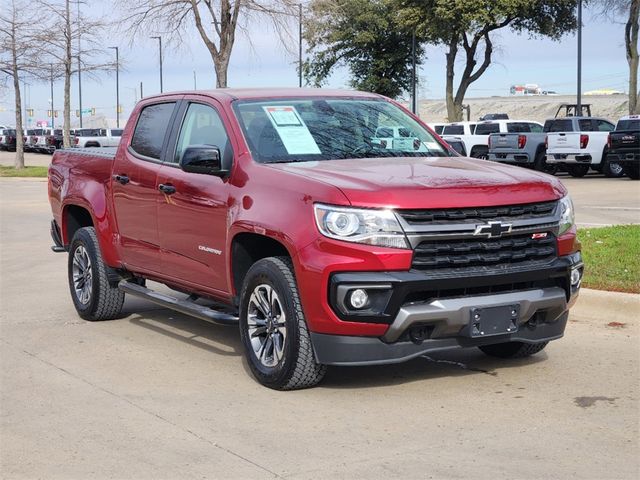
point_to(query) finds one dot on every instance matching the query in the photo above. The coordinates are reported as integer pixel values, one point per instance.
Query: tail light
(76, 141)
(416, 144)
(489, 142)
(609, 141)
(522, 141)
(584, 141)
(546, 142)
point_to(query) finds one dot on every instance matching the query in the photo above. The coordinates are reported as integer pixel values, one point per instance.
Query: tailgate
(625, 140)
(503, 141)
(563, 142)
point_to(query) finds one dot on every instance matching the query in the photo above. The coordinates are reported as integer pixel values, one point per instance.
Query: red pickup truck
(282, 212)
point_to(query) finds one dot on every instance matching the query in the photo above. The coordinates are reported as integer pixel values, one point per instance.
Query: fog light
(576, 277)
(358, 298)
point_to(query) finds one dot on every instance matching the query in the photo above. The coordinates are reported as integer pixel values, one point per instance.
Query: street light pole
(579, 92)
(79, 74)
(52, 113)
(160, 46)
(117, 87)
(195, 81)
(414, 102)
(300, 45)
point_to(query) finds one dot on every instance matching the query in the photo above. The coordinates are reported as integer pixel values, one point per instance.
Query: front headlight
(372, 227)
(567, 218)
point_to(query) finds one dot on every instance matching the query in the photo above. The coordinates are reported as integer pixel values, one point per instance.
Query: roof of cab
(266, 93)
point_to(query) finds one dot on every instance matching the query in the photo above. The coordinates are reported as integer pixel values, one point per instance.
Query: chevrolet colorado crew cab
(624, 146)
(277, 211)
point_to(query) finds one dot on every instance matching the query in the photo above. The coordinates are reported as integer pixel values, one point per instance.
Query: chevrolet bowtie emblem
(493, 229)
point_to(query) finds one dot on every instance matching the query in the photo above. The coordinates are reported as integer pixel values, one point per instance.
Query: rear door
(192, 221)
(135, 186)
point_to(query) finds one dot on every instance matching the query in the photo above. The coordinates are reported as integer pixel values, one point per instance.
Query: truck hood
(441, 182)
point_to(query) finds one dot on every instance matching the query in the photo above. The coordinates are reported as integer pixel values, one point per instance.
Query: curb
(605, 306)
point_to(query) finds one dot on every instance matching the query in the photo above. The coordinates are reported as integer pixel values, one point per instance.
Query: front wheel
(578, 170)
(513, 349)
(94, 297)
(273, 328)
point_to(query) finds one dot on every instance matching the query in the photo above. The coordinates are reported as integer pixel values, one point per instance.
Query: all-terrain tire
(101, 300)
(632, 171)
(540, 162)
(578, 170)
(609, 168)
(513, 349)
(297, 368)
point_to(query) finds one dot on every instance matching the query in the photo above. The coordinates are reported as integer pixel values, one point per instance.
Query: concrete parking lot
(160, 395)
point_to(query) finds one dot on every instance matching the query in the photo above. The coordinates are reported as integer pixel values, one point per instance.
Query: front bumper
(425, 313)
(575, 158)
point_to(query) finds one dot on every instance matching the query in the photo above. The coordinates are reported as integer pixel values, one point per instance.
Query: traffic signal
(93, 110)
(48, 113)
(77, 113)
(119, 109)
(55, 113)
(30, 112)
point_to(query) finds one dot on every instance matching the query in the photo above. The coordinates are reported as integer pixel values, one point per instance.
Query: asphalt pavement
(161, 395)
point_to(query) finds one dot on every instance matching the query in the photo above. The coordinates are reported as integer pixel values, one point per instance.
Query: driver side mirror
(205, 159)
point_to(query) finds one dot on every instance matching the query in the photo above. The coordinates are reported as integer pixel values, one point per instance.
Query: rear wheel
(609, 168)
(94, 297)
(632, 170)
(513, 349)
(578, 170)
(273, 329)
(540, 162)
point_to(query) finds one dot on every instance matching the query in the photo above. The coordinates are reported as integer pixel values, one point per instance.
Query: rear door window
(151, 129)
(558, 125)
(453, 130)
(585, 125)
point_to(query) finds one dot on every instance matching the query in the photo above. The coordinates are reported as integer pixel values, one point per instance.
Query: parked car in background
(96, 137)
(624, 146)
(9, 140)
(523, 145)
(457, 145)
(580, 143)
(3, 133)
(494, 116)
(475, 135)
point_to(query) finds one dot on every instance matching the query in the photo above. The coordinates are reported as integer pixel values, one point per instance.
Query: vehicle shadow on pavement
(217, 339)
(456, 363)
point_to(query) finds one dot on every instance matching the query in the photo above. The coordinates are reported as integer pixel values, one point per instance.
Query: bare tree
(629, 10)
(60, 35)
(17, 53)
(215, 21)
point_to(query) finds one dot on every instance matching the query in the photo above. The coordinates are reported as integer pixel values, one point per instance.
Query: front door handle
(167, 188)
(123, 179)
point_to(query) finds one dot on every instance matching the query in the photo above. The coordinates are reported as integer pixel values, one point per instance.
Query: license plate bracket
(489, 321)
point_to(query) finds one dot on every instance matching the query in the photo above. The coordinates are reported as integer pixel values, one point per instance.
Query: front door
(192, 218)
(135, 188)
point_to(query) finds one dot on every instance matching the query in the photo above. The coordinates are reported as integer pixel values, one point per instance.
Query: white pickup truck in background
(475, 135)
(580, 143)
(96, 137)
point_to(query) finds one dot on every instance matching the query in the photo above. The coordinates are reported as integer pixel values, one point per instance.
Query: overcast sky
(264, 62)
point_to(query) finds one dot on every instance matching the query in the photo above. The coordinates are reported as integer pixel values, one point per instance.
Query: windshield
(300, 130)
(628, 125)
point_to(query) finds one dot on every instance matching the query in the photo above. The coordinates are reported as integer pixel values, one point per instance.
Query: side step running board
(183, 306)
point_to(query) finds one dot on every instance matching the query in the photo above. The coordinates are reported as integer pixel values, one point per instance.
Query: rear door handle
(167, 188)
(123, 179)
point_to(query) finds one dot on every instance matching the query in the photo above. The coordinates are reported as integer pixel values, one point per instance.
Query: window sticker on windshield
(292, 130)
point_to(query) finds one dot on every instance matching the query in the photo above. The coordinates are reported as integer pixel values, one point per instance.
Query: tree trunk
(454, 112)
(66, 137)
(631, 43)
(221, 66)
(19, 160)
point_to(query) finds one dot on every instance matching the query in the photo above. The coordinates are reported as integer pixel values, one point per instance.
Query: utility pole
(160, 46)
(79, 73)
(141, 93)
(414, 103)
(117, 87)
(300, 45)
(52, 113)
(579, 94)
(26, 109)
